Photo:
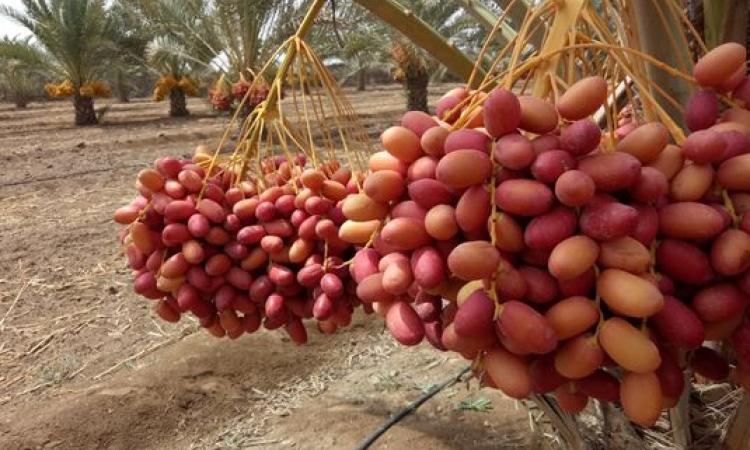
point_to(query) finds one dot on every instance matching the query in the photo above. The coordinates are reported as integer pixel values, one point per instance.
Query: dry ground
(84, 365)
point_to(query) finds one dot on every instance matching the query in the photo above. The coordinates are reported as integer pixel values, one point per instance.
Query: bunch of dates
(237, 256)
(560, 258)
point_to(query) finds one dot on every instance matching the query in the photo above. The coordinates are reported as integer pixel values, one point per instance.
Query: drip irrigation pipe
(369, 440)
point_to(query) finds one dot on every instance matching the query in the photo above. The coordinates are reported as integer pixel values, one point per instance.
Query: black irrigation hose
(367, 442)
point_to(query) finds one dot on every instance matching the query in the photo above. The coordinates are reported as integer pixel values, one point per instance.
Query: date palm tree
(74, 36)
(248, 31)
(229, 38)
(351, 35)
(183, 46)
(22, 70)
(177, 73)
(131, 35)
(370, 42)
(414, 67)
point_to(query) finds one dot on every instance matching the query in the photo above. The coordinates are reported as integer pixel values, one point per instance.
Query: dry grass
(248, 430)
(711, 409)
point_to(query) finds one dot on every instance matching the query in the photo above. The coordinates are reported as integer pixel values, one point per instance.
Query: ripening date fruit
(522, 323)
(537, 115)
(678, 324)
(628, 346)
(716, 66)
(579, 357)
(572, 316)
(523, 197)
(583, 98)
(645, 142)
(473, 260)
(572, 257)
(628, 294)
(508, 372)
(641, 397)
(404, 324)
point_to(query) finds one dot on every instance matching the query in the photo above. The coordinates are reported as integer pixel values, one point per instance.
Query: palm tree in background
(354, 37)
(22, 70)
(412, 70)
(369, 45)
(75, 38)
(131, 35)
(413, 66)
(182, 48)
(178, 74)
(248, 31)
(196, 38)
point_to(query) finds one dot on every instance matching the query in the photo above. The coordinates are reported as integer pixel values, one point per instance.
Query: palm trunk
(361, 79)
(416, 91)
(123, 90)
(123, 95)
(84, 106)
(177, 103)
(651, 32)
(725, 21)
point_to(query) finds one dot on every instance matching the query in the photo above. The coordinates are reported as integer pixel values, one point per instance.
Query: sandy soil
(83, 364)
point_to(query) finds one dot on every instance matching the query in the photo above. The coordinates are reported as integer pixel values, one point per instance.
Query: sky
(9, 27)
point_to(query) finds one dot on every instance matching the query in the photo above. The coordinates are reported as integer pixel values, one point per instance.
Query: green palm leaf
(23, 69)
(75, 34)
(225, 36)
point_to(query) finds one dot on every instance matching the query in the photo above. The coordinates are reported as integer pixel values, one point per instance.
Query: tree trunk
(362, 79)
(84, 106)
(177, 103)
(123, 89)
(725, 21)
(650, 33)
(564, 425)
(416, 91)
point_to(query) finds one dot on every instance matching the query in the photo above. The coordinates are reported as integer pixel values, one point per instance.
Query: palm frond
(183, 27)
(168, 55)
(22, 50)
(228, 36)
(23, 69)
(74, 33)
(247, 27)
